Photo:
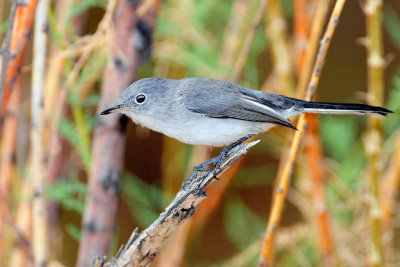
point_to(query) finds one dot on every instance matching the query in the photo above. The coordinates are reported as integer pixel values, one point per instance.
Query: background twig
(7, 162)
(37, 175)
(313, 140)
(244, 51)
(375, 63)
(22, 26)
(5, 52)
(266, 258)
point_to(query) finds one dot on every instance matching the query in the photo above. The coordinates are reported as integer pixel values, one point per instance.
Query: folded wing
(232, 103)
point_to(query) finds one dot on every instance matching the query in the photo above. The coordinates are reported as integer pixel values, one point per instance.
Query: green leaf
(144, 200)
(82, 6)
(391, 122)
(241, 224)
(67, 129)
(391, 21)
(3, 27)
(74, 231)
(338, 135)
(69, 193)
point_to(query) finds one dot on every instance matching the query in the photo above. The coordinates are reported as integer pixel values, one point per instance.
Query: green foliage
(303, 254)
(195, 46)
(352, 165)
(342, 142)
(69, 193)
(74, 231)
(391, 22)
(338, 135)
(78, 131)
(201, 16)
(3, 27)
(253, 177)
(241, 224)
(287, 6)
(68, 130)
(144, 200)
(251, 72)
(392, 121)
(82, 6)
(55, 33)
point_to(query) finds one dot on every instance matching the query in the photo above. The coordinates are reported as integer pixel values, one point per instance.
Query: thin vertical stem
(21, 29)
(233, 31)
(244, 51)
(318, 189)
(6, 54)
(276, 31)
(307, 61)
(313, 144)
(302, 25)
(37, 136)
(375, 63)
(266, 258)
(390, 188)
(7, 162)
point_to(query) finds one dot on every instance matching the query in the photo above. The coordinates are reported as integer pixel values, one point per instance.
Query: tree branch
(142, 248)
(5, 51)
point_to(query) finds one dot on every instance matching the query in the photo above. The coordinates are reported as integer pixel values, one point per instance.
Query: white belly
(206, 131)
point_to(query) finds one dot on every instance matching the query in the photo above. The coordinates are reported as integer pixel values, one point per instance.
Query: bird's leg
(202, 166)
(224, 152)
(218, 160)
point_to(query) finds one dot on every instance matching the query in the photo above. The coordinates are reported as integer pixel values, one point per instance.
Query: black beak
(109, 110)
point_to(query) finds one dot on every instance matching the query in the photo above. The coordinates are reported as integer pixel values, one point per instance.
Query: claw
(218, 160)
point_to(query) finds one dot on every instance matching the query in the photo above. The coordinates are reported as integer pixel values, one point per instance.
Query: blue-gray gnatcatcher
(215, 112)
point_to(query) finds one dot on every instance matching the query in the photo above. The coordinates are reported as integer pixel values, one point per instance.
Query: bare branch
(142, 250)
(5, 51)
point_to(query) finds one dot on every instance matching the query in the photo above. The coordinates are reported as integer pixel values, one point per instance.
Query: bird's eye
(140, 98)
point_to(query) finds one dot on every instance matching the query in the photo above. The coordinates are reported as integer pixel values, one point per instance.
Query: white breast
(204, 130)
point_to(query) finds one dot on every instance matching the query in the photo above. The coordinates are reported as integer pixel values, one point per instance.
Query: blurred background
(95, 48)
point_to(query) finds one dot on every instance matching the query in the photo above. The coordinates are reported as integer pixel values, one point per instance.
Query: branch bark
(313, 144)
(132, 43)
(373, 142)
(21, 32)
(142, 249)
(5, 51)
(280, 53)
(7, 162)
(40, 248)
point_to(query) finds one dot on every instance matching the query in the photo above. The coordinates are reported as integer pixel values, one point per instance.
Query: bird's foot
(225, 152)
(218, 160)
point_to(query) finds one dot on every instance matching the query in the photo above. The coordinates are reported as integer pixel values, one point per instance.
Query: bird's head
(140, 98)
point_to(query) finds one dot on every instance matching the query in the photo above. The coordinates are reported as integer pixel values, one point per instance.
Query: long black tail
(334, 108)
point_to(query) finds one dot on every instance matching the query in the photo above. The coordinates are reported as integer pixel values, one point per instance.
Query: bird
(212, 112)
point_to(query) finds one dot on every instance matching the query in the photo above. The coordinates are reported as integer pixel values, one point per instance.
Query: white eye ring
(140, 99)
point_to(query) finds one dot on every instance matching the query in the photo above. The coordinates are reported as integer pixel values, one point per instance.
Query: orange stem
(20, 36)
(7, 159)
(314, 146)
(266, 258)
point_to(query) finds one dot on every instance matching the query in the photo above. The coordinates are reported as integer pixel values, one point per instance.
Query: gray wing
(221, 99)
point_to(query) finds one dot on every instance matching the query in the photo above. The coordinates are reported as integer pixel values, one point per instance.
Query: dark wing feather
(226, 101)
